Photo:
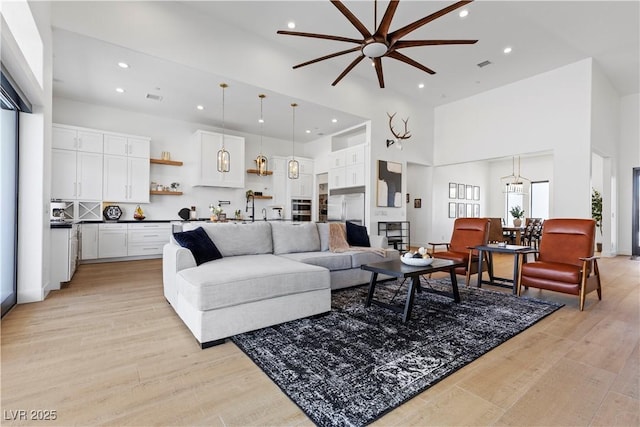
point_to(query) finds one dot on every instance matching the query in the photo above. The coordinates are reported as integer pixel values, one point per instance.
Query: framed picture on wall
(476, 210)
(453, 190)
(460, 191)
(476, 192)
(469, 192)
(469, 210)
(417, 203)
(389, 184)
(460, 210)
(452, 209)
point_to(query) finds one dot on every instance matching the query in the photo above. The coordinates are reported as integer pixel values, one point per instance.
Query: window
(539, 200)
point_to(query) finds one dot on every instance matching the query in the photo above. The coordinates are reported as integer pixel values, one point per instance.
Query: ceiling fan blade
(332, 55)
(407, 60)
(383, 28)
(378, 65)
(319, 36)
(352, 18)
(349, 68)
(413, 43)
(398, 34)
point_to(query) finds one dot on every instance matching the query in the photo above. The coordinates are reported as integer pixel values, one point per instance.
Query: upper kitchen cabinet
(126, 179)
(76, 163)
(76, 175)
(73, 138)
(207, 145)
(347, 167)
(122, 145)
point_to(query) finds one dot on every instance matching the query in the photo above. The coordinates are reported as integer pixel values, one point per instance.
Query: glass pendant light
(223, 160)
(261, 160)
(293, 167)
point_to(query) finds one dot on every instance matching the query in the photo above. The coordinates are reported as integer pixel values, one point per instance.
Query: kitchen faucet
(253, 206)
(264, 214)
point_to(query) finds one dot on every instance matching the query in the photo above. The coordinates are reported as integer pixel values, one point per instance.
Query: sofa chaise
(268, 273)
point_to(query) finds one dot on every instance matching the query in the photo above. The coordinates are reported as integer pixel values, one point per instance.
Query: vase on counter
(517, 222)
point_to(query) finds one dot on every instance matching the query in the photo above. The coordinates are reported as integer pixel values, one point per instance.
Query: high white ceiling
(544, 35)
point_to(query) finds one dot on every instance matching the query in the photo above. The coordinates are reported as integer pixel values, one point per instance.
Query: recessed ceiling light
(291, 25)
(123, 65)
(334, 120)
(307, 131)
(260, 120)
(463, 13)
(421, 85)
(119, 90)
(507, 50)
(200, 107)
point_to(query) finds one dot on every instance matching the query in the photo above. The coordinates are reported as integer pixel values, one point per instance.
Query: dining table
(516, 232)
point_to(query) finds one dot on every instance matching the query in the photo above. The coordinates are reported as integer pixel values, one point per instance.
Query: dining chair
(496, 233)
(565, 260)
(467, 234)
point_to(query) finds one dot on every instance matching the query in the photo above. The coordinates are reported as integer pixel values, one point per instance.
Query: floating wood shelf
(255, 171)
(166, 193)
(263, 197)
(166, 162)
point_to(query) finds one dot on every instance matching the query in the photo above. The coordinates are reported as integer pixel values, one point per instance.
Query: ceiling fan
(382, 42)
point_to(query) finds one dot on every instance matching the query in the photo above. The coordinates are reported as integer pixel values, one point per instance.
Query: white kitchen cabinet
(337, 177)
(354, 155)
(207, 145)
(301, 187)
(88, 241)
(147, 238)
(354, 175)
(73, 138)
(76, 175)
(64, 255)
(112, 240)
(125, 179)
(348, 167)
(123, 145)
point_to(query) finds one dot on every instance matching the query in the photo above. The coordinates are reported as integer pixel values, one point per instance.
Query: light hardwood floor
(109, 350)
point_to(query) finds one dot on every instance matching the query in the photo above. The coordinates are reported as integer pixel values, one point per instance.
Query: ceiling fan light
(374, 49)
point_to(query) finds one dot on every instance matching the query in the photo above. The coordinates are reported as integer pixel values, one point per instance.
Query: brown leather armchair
(565, 260)
(467, 233)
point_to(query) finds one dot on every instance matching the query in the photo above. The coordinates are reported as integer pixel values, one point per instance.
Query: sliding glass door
(12, 104)
(8, 201)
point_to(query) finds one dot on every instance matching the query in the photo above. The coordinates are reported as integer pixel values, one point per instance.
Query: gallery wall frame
(453, 190)
(452, 209)
(461, 191)
(461, 210)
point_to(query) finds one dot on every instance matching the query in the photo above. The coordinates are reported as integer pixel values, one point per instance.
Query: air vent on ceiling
(484, 64)
(154, 97)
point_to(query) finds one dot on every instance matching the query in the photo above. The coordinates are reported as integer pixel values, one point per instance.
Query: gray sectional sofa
(269, 273)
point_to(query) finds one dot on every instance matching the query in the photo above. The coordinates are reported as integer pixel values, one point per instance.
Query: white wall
(630, 157)
(471, 173)
(605, 134)
(419, 186)
(550, 111)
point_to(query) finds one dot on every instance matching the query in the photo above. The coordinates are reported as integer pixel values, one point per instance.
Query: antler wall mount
(381, 43)
(399, 136)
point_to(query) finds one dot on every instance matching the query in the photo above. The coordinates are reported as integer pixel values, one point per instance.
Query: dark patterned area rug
(351, 366)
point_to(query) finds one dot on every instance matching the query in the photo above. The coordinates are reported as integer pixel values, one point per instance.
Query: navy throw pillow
(357, 235)
(199, 243)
